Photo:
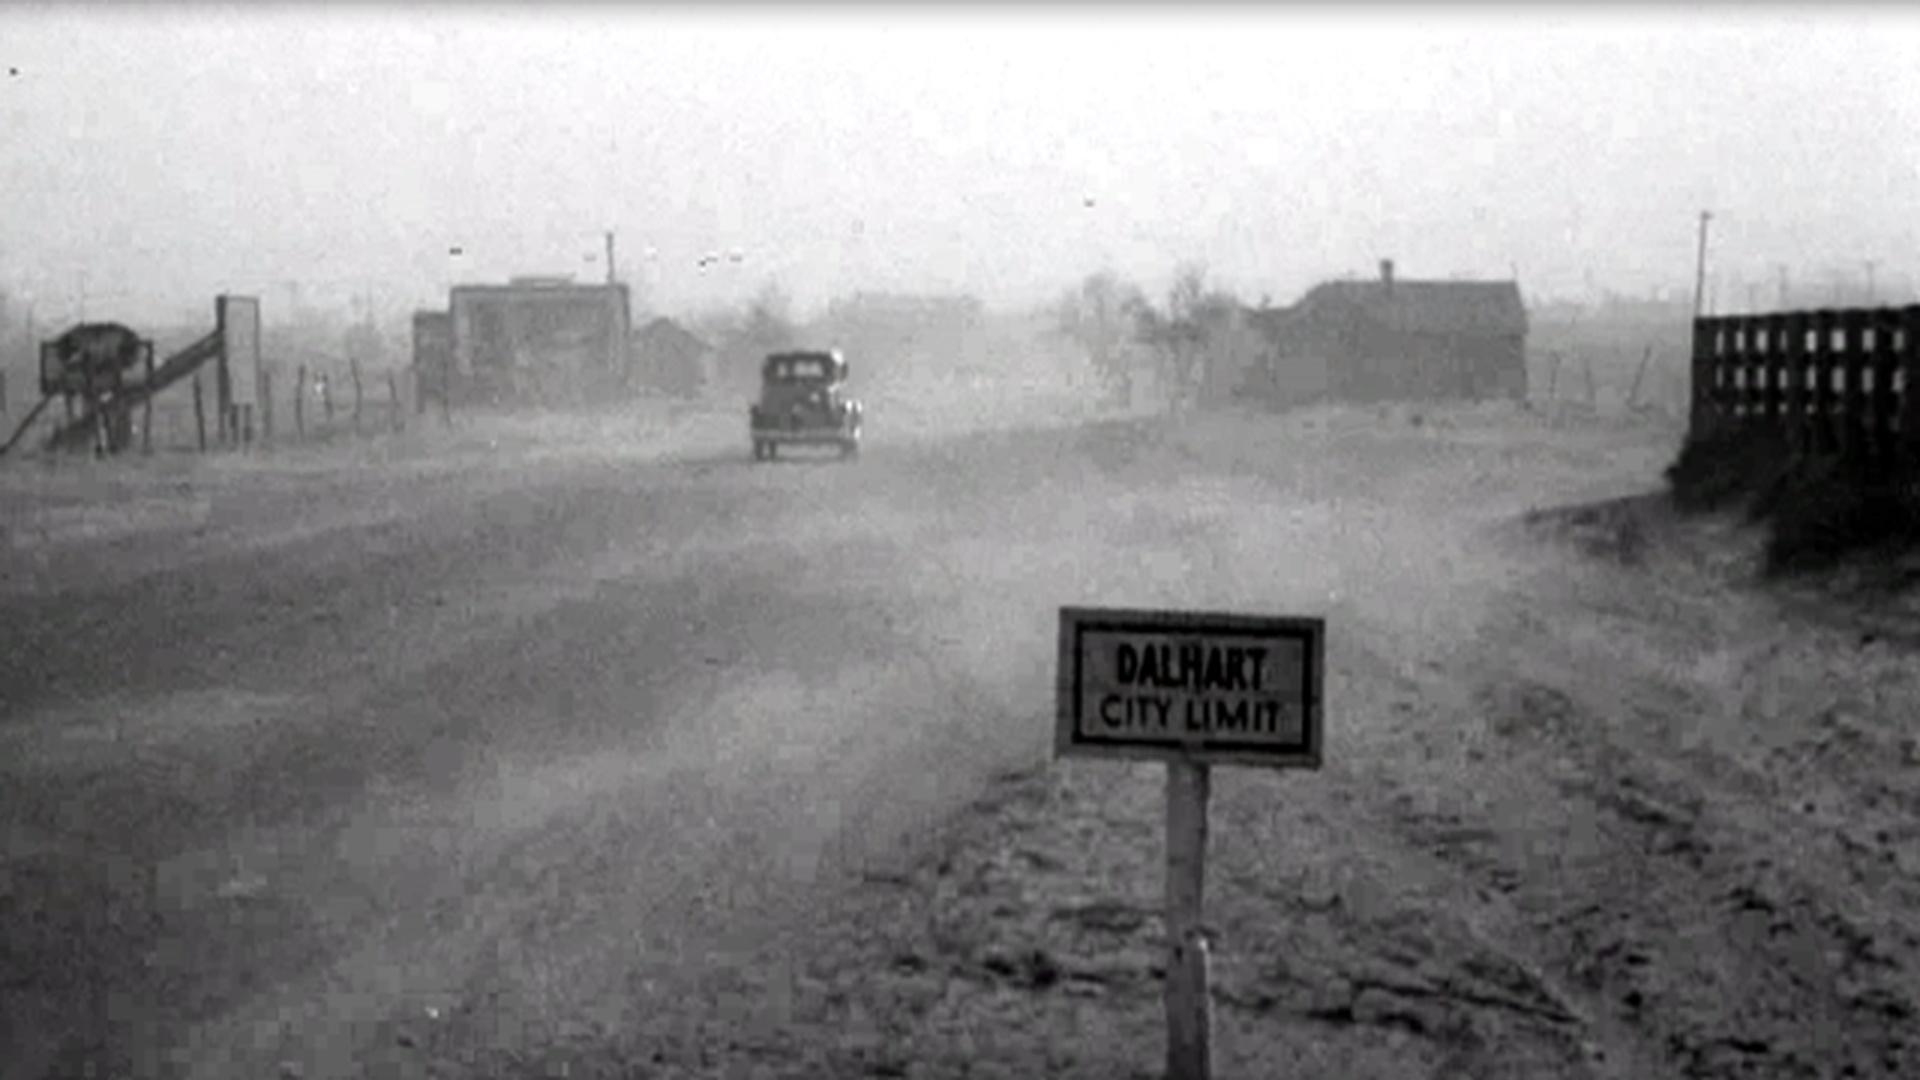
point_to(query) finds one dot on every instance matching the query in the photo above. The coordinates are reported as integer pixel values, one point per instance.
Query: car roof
(831, 357)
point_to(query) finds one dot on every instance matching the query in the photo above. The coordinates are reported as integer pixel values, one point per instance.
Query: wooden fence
(1828, 382)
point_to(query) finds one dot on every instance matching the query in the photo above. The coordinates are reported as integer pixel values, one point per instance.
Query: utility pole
(611, 278)
(1700, 268)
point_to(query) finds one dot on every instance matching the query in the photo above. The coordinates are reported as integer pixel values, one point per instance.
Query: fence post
(146, 422)
(1793, 349)
(199, 414)
(1853, 392)
(1633, 392)
(1884, 361)
(1820, 420)
(1910, 383)
(1734, 376)
(1775, 328)
(1701, 405)
(353, 369)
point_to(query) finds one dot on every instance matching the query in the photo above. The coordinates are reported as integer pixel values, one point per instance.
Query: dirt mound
(1818, 511)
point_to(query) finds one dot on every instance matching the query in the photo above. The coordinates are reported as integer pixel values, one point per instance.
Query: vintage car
(803, 402)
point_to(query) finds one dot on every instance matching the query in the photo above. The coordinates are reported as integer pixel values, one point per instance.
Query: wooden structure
(532, 340)
(1824, 382)
(673, 359)
(1389, 339)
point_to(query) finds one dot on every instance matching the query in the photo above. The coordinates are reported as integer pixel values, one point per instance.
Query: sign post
(1190, 689)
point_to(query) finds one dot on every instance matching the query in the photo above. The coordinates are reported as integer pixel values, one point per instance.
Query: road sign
(1190, 686)
(1192, 689)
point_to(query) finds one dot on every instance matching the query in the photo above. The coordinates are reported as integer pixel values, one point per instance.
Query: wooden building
(1393, 340)
(673, 359)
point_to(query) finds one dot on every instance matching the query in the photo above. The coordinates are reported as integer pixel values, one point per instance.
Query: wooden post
(1910, 383)
(1853, 384)
(146, 423)
(98, 426)
(1189, 1006)
(1701, 405)
(1633, 392)
(199, 414)
(394, 419)
(1886, 361)
(300, 406)
(353, 367)
(1821, 419)
(1794, 353)
(1700, 268)
(1777, 372)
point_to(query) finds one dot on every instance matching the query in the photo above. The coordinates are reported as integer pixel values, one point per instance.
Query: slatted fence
(1826, 383)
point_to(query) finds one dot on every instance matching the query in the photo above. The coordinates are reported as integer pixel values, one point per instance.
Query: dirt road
(411, 769)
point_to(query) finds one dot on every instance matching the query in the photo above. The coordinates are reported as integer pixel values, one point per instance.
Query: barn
(1393, 340)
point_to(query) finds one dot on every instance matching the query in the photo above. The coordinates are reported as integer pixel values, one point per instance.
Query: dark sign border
(1077, 622)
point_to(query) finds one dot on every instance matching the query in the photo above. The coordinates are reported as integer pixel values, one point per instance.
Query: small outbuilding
(673, 359)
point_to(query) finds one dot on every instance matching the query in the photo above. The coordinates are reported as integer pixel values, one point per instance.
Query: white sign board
(1190, 686)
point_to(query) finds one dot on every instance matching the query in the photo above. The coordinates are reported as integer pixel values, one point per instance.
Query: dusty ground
(583, 747)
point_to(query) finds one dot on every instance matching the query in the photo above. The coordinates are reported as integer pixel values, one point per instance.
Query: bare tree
(746, 337)
(1099, 316)
(1181, 335)
(769, 323)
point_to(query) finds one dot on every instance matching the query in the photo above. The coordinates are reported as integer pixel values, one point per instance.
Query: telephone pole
(1700, 268)
(611, 278)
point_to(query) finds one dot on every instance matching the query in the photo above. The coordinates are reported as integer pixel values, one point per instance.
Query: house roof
(1440, 307)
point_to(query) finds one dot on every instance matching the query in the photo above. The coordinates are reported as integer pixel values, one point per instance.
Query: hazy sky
(155, 156)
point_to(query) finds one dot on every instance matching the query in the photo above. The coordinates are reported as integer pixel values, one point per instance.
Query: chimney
(1386, 274)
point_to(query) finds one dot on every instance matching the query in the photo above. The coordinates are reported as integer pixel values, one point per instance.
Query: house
(1389, 339)
(673, 359)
